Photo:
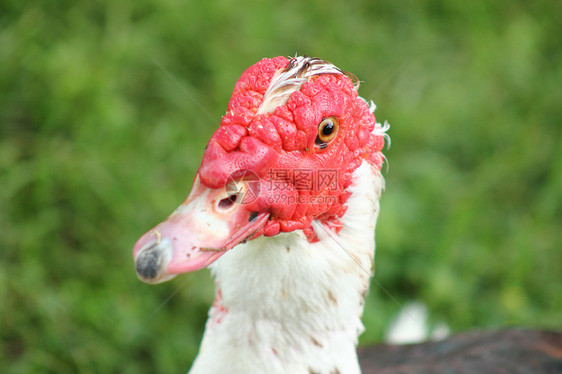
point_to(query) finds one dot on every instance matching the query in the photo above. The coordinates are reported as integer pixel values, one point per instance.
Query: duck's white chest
(285, 305)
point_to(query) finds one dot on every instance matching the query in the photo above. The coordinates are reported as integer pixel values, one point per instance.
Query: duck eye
(327, 131)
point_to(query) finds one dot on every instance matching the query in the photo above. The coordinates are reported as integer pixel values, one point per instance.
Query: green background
(98, 143)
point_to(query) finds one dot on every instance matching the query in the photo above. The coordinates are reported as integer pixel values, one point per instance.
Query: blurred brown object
(514, 351)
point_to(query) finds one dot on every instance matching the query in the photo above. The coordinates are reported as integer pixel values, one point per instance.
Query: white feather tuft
(383, 130)
(290, 79)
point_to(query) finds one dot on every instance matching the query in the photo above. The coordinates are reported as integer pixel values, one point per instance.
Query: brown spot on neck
(316, 342)
(332, 298)
(364, 292)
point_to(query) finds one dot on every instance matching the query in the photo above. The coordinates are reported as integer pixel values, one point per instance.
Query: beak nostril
(227, 202)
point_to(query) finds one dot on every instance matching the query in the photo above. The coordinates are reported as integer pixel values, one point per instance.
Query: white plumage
(294, 306)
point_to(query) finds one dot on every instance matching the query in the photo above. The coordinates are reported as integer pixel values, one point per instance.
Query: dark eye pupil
(328, 128)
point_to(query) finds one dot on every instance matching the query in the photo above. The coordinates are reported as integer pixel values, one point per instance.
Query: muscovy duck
(283, 211)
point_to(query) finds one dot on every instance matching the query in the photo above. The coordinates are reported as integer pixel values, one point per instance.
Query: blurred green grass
(97, 144)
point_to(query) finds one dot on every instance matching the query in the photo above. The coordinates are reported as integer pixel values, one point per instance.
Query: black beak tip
(148, 265)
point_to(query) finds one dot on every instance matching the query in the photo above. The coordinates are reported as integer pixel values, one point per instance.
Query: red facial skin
(274, 145)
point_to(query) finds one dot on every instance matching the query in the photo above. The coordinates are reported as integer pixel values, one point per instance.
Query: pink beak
(208, 224)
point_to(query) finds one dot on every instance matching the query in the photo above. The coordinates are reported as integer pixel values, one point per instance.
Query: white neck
(284, 305)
